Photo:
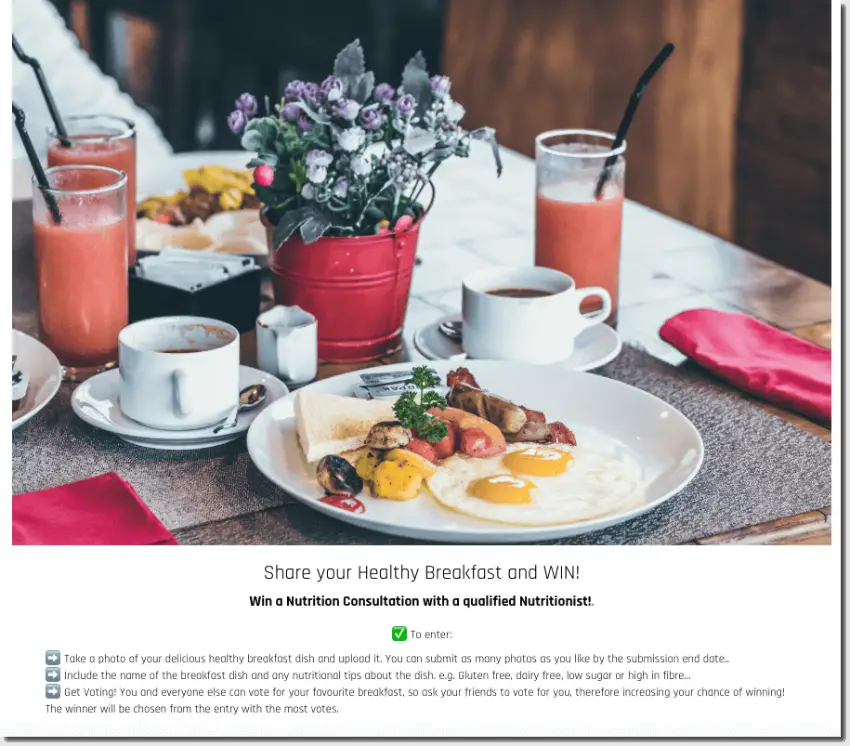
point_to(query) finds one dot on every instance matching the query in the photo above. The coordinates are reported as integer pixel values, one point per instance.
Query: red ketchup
(344, 502)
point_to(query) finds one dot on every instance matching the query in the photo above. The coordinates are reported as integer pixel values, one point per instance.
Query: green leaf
(260, 135)
(315, 226)
(316, 116)
(362, 87)
(375, 213)
(432, 429)
(267, 159)
(266, 195)
(418, 141)
(488, 134)
(298, 174)
(350, 68)
(414, 80)
(350, 61)
(407, 410)
(431, 399)
(289, 223)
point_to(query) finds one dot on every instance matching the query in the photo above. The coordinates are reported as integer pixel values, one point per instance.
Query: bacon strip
(561, 433)
(461, 375)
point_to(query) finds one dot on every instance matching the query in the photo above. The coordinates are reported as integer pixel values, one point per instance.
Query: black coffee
(520, 293)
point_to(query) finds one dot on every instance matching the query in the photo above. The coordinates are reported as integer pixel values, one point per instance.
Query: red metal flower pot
(357, 287)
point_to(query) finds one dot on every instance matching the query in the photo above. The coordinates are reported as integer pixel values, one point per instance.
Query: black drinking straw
(40, 176)
(631, 108)
(61, 132)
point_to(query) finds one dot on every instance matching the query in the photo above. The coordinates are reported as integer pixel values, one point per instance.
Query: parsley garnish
(413, 414)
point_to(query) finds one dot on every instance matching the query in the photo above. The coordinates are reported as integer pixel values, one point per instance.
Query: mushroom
(338, 477)
(385, 436)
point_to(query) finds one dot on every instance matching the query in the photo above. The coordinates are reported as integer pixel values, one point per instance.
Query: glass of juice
(100, 140)
(576, 232)
(81, 266)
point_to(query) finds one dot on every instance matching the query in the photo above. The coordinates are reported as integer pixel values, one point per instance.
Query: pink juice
(581, 237)
(81, 275)
(114, 153)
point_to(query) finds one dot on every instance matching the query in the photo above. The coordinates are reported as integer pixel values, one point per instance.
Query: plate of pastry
(211, 207)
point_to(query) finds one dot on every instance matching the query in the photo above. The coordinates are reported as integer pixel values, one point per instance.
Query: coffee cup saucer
(594, 347)
(95, 401)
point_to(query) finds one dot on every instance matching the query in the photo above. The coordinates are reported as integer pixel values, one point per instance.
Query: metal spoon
(452, 329)
(249, 398)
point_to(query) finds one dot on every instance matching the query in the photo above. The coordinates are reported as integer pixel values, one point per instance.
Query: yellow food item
(367, 464)
(217, 179)
(228, 187)
(397, 480)
(538, 461)
(420, 463)
(503, 488)
(230, 199)
(152, 204)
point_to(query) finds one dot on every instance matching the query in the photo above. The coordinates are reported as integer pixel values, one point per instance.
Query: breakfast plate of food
(213, 208)
(36, 375)
(491, 452)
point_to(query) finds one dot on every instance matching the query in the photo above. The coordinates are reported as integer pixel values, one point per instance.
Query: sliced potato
(421, 464)
(396, 480)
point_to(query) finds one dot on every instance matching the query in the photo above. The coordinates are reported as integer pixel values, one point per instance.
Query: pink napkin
(101, 510)
(756, 358)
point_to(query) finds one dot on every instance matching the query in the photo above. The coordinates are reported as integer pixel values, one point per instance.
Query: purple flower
(316, 173)
(383, 92)
(247, 103)
(331, 88)
(237, 121)
(304, 122)
(347, 108)
(340, 189)
(294, 90)
(308, 192)
(371, 118)
(405, 105)
(361, 165)
(310, 93)
(290, 112)
(318, 157)
(440, 85)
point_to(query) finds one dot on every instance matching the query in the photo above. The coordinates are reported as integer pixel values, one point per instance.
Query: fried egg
(537, 485)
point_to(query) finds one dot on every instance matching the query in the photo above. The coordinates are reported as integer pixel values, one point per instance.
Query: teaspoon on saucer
(452, 329)
(249, 397)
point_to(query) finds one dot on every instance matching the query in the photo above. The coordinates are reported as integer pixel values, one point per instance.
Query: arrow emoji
(52, 674)
(52, 690)
(53, 658)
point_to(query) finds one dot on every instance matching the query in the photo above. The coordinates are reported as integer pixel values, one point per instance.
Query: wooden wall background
(732, 136)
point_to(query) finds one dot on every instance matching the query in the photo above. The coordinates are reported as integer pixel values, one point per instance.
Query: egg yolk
(540, 462)
(503, 488)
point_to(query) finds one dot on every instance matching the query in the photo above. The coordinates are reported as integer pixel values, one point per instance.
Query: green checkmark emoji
(399, 634)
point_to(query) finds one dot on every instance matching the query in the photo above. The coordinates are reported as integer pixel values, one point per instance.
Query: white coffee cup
(539, 330)
(288, 344)
(178, 372)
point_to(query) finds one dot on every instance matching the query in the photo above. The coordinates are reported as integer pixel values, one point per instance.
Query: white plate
(44, 371)
(594, 347)
(95, 401)
(166, 177)
(604, 414)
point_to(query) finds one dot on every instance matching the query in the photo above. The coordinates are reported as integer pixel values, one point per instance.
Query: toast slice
(330, 424)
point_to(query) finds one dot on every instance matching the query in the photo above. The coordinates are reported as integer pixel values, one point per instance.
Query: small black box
(235, 300)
